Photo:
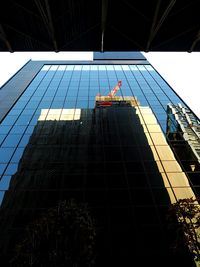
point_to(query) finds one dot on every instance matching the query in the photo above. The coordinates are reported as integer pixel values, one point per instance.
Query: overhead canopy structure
(100, 25)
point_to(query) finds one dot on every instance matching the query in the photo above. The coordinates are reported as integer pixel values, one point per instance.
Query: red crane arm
(115, 89)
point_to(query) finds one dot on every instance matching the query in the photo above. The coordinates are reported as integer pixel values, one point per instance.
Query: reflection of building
(106, 101)
(183, 132)
(184, 125)
(65, 144)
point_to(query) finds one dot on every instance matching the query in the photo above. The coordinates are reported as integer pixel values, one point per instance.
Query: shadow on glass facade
(59, 143)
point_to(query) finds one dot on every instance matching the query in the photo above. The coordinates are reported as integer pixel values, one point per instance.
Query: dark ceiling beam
(5, 39)
(79, 36)
(155, 17)
(47, 19)
(157, 26)
(17, 5)
(27, 36)
(196, 40)
(104, 11)
(135, 10)
(172, 39)
(51, 25)
(140, 48)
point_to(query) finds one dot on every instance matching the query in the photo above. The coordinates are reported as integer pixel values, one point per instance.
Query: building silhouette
(64, 137)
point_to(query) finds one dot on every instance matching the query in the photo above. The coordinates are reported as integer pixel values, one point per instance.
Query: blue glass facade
(120, 160)
(75, 86)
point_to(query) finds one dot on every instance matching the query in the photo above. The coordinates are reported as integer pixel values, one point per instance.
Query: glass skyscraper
(129, 155)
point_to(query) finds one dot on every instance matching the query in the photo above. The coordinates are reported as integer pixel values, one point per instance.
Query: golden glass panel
(52, 117)
(77, 112)
(178, 179)
(42, 118)
(171, 166)
(158, 138)
(140, 117)
(165, 180)
(171, 195)
(164, 152)
(66, 117)
(154, 152)
(149, 140)
(154, 128)
(44, 111)
(54, 111)
(149, 118)
(160, 167)
(60, 114)
(68, 111)
(145, 110)
(183, 192)
(145, 128)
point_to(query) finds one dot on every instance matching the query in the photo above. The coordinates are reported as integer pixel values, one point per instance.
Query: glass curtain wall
(75, 86)
(56, 144)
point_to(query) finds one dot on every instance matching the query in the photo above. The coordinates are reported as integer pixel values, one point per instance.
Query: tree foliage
(187, 215)
(63, 236)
